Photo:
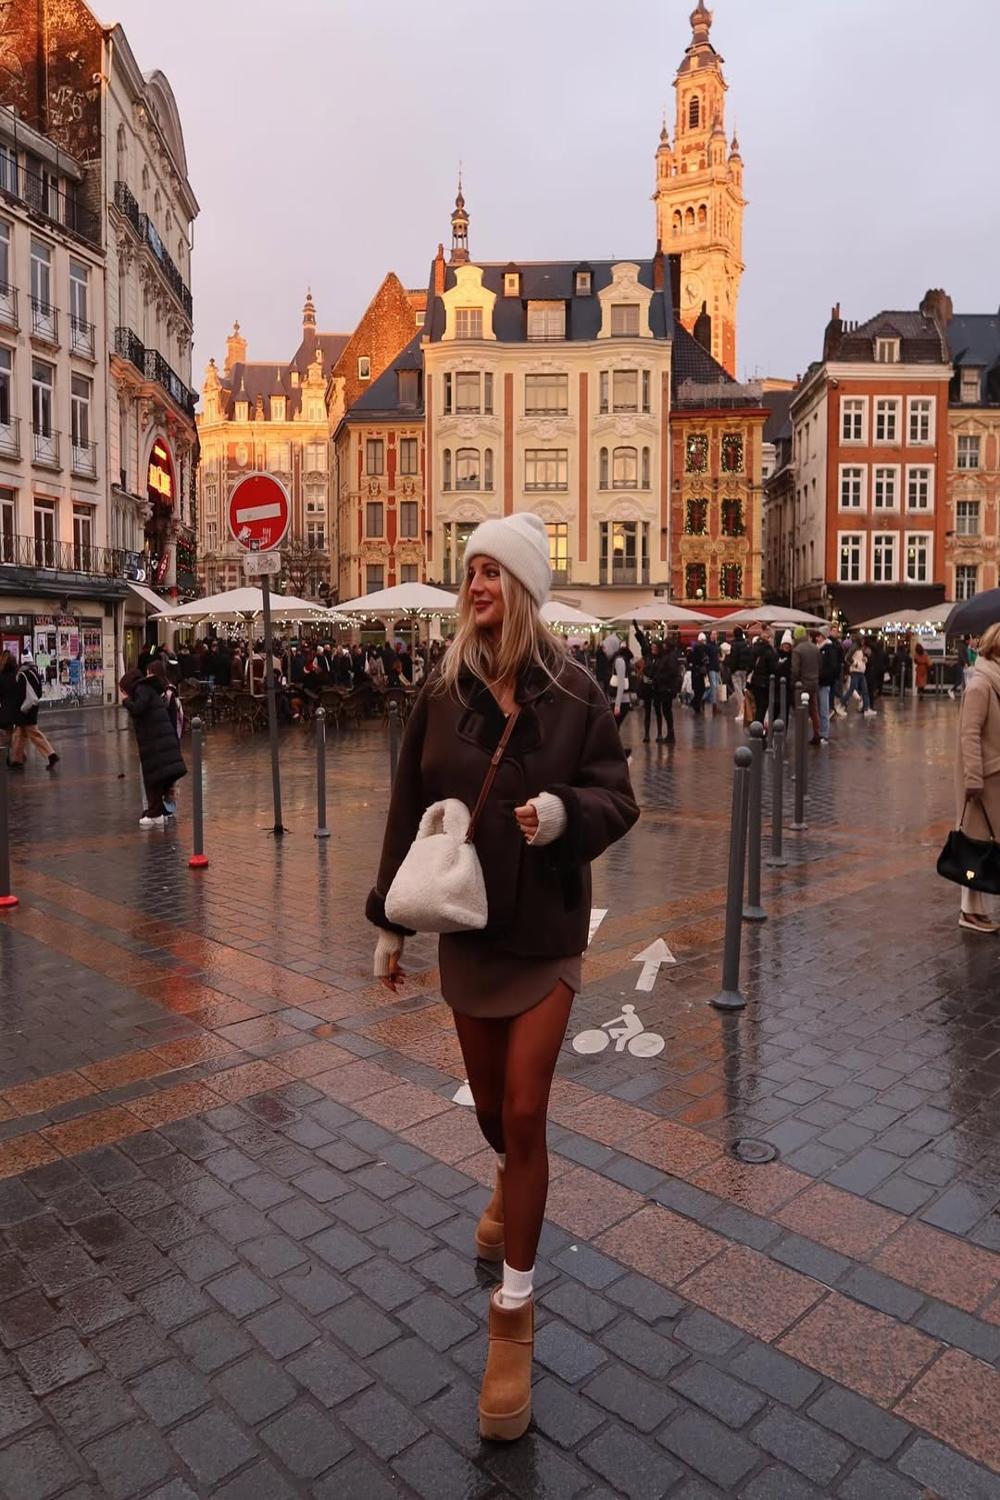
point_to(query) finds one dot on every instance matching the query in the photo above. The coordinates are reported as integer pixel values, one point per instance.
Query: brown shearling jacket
(566, 742)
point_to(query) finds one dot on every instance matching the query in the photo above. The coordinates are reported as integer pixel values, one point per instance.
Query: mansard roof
(554, 281)
(381, 399)
(920, 339)
(696, 379)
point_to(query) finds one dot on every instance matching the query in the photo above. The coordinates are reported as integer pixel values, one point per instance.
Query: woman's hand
(527, 820)
(395, 976)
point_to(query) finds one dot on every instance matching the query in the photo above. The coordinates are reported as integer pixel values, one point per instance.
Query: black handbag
(974, 863)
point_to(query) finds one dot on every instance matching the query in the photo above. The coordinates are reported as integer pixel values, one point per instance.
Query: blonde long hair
(989, 643)
(525, 640)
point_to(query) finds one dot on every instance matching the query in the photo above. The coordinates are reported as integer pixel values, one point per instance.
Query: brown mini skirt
(478, 978)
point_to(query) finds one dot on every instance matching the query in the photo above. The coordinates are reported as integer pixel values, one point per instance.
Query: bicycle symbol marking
(628, 1031)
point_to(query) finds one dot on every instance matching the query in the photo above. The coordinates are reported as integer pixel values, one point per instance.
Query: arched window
(488, 469)
(180, 252)
(645, 468)
(702, 216)
(678, 222)
(625, 470)
(602, 481)
(446, 470)
(694, 113)
(688, 220)
(467, 469)
(145, 177)
(169, 220)
(156, 201)
(122, 154)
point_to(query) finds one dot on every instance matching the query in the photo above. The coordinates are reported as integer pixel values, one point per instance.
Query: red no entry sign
(259, 512)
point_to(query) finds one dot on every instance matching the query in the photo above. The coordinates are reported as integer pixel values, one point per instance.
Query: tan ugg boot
(489, 1230)
(505, 1395)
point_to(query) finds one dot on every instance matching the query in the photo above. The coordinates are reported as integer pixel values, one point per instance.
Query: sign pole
(272, 706)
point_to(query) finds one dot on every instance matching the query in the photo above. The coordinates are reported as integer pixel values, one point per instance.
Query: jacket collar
(532, 683)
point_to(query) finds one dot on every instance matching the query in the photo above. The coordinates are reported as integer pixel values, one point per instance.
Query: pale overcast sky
(323, 139)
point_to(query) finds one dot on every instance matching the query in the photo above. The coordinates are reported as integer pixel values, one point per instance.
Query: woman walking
(561, 796)
(977, 771)
(159, 751)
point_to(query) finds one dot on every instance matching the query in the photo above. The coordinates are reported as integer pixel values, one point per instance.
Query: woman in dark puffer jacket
(159, 751)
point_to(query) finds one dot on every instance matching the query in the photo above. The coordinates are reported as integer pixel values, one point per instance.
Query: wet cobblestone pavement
(236, 1199)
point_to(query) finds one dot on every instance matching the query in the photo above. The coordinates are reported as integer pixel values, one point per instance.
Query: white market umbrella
(769, 614)
(662, 613)
(903, 619)
(568, 616)
(402, 599)
(240, 605)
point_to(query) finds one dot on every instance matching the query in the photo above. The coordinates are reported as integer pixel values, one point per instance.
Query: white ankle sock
(517, 1286)
(501, 1159)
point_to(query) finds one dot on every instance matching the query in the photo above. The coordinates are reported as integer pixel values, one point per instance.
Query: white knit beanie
(786, 639)
(520, 544)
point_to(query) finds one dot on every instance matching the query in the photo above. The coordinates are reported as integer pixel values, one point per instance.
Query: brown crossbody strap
(491, 774)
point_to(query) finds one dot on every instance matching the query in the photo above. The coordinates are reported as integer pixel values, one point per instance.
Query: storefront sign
(160, 477)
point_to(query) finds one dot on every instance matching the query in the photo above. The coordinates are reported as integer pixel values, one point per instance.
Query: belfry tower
(699, 193)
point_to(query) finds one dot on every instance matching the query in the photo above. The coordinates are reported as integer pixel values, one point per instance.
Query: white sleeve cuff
(552, 818)
(388, 947)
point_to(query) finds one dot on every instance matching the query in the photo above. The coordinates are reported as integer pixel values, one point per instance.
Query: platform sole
(491, 1253)
(506, 1429)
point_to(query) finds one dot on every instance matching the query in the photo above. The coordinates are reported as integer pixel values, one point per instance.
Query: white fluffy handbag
(439, 887)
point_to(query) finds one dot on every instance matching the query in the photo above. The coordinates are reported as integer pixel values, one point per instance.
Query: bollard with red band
(6, 899)
(199, 858)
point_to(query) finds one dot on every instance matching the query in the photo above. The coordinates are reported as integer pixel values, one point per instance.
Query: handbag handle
(982, 809)
(491, 773)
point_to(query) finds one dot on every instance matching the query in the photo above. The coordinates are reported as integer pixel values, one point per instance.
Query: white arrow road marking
(651, 958)
(463, 1096)
(597, 915)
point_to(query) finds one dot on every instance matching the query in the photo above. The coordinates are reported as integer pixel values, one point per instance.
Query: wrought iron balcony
(172, 275)
(127, 206)
(45, 447)
(84, 459)
(72, 557)
(561, 576)
(10, 437)
(42, 195)
(131, 347)
(82, 337)
(44, 322)
(8, 306)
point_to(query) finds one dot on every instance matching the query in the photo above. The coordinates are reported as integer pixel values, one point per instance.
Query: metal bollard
(776, 859)
(199, 859)
(6, 899)
(322, 832)
(729, 997)
(799, 823)
(783, 701)
(395, 734)
(753, 911)
(772, 688)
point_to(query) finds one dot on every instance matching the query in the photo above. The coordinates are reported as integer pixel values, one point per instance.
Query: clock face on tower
(692, 291)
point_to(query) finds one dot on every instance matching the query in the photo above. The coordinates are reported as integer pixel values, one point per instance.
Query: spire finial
(309, 310)
(701, 22)
(459, 226)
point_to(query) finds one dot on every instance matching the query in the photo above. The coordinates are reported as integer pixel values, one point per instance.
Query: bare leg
(484, 1048)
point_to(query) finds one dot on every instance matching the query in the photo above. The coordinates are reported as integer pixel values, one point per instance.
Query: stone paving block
(947, 1473)
(567, 1353)
(587, 1265)
(709, 1448)
(354, 1478)
(315, 1288)
(706, 1334)
(127, 1348)
(339, 1248)
(811, 1259)
(561, 1414)
(18, 1409)
(263, 1480)
(298, 1219)
(646, 1298)
(173, 1302)
(95, 1305)
(861, 1422)
(413, 1370)
(256, 1388)
(432, 1469)
(281, 1330)
(203, 1257)
(801, 1446)
(438, 1322)
(775, 1374)
(958, 1328)
(264, 1190)
(55, 1360)
(212, 1342)
(240, 1292)
(274, 1254)
(881, 1292)
(580, 1307)
(424, 1208)
(212, 1446)
(168, 1392)
(454, 1274)
(361, 1327)
(631, 1466)
(532, 1470)
(37, 1467)
(776, 1483)
(718, 1393)
(129, 1461)
(650, 1352)
(382, 1422)
(386, 1284)
(869, 1481)
(620, 1391)
(401, 1240)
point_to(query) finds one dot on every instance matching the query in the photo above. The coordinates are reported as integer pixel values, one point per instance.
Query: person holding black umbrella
(977, 771)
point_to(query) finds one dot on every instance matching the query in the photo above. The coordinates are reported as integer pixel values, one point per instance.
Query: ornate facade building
(972, 535)
(699, 194)
(70, 88)
(277, 416)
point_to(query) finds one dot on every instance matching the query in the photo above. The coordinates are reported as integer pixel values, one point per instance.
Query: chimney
(658, 267)
(675, 283)
(439, 272)
(938, 306)
(236, 350)
(834, 333)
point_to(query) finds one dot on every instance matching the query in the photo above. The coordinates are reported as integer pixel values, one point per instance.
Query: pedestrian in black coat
(159, 749)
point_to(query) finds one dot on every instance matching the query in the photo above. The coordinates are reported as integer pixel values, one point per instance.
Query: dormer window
(546, 320)
(887, 351)
(242, 411)
(583, 283)
(970, 386)
(468, 322)
(409, 384)
(277, 408)
(625, 320)
(364, 367)
(512, 283)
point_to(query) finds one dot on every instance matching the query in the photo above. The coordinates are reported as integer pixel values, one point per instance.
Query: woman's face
(486, 593)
